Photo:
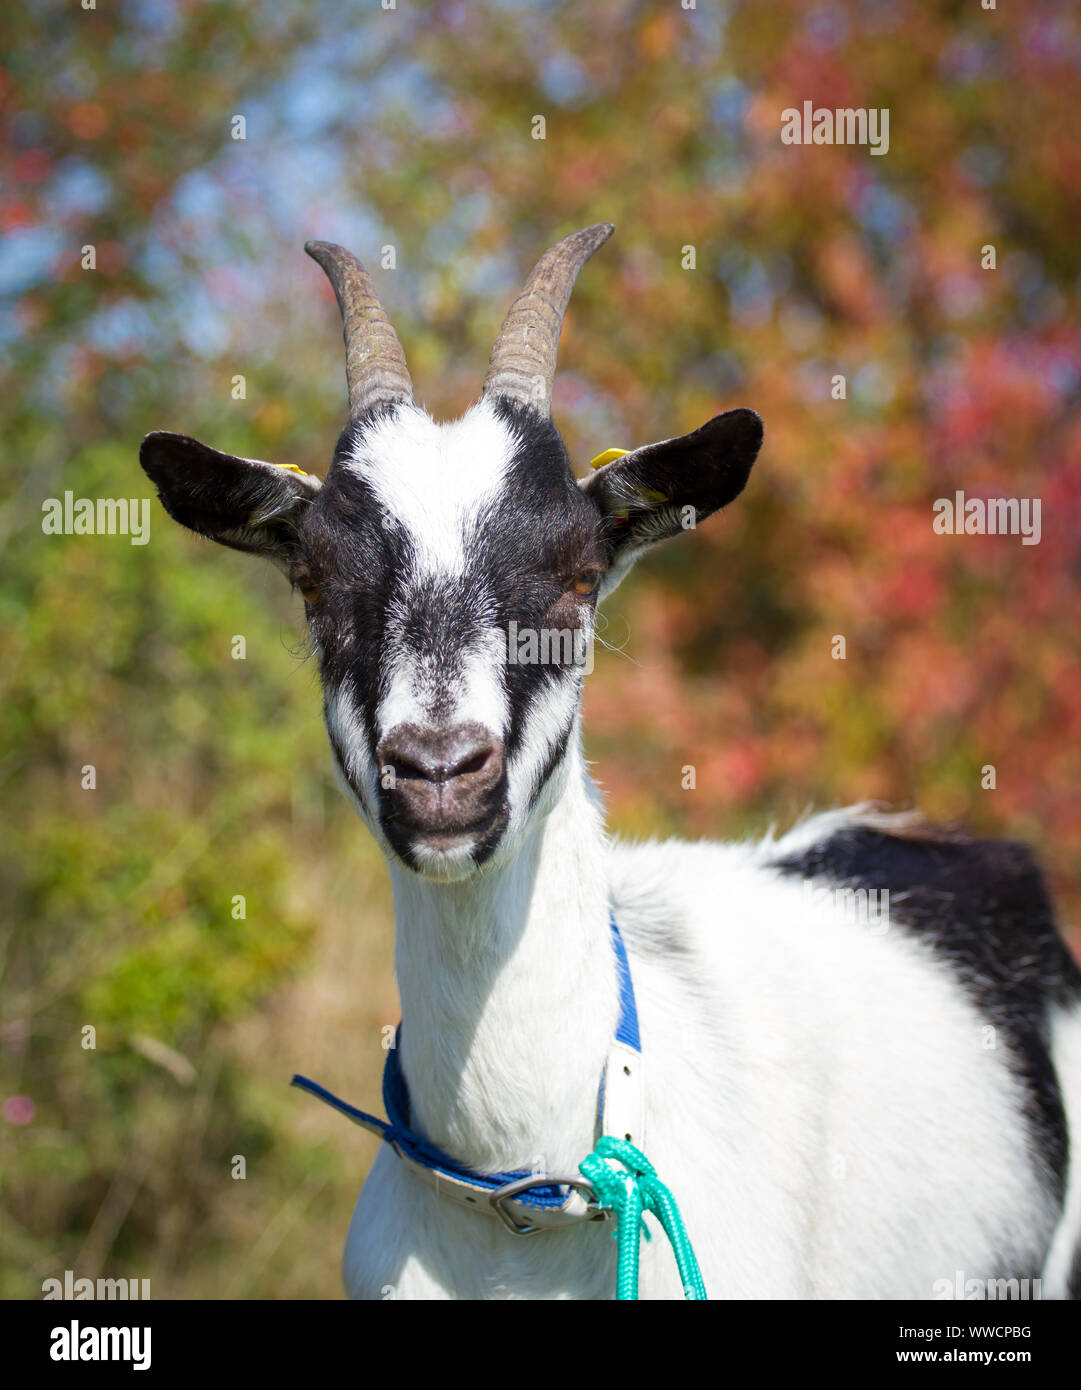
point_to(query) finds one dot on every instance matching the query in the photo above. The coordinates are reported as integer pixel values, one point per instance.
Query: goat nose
(445, 782)
(441, 755)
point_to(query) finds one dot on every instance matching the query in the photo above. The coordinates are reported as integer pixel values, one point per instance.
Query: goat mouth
(440, 834)
(435, 846)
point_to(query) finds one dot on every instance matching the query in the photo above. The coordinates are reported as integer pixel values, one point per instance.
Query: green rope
(629, 1195)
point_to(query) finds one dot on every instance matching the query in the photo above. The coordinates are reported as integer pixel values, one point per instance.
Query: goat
(840, 1112)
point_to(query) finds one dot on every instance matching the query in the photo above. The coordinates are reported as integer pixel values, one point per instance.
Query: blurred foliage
(413, 128)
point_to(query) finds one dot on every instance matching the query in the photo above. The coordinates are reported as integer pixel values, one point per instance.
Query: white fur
(1066, 1048)
(480, 694)
(434, 477)
(359, 778)
(819, 1098)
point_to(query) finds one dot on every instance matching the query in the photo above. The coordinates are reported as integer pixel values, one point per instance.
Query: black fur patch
(983, 906)
(542, 533)
(643, 495)
(243, 504)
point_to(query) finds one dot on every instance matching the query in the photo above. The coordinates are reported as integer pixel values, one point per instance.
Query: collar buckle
(510, 1190)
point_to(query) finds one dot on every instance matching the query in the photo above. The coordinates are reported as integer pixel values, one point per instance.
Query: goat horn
(523, 361)
(374, 361)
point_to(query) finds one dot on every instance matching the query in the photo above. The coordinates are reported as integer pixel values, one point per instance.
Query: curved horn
(523, 361)
(374, 361)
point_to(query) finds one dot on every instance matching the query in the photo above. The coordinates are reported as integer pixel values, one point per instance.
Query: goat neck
(509, 994)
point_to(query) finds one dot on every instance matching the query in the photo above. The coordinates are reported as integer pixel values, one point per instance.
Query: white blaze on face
(436, 481)
(433, 479)
(414, 692)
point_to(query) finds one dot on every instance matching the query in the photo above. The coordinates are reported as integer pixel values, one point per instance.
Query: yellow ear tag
(292, 468)
(607, 457)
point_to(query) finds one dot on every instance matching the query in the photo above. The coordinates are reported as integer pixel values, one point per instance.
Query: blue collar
(541, 1194)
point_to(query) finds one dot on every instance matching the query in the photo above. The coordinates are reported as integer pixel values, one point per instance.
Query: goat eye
(310, 588)
(587, 582)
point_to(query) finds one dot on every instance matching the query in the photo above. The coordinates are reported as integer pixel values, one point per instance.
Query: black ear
(662, 489)
(244, 503)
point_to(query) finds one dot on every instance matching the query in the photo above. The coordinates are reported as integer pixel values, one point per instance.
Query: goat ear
(243, 503)
(662, 489)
